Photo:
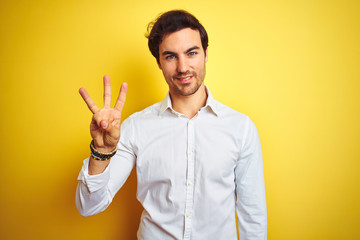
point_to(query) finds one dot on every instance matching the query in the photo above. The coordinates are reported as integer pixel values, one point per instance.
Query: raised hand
(105, 123)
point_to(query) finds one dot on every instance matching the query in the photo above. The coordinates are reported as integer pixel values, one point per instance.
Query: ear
(206, 55)
(158, 63)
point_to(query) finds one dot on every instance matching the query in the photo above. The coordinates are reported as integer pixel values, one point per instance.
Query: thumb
(104, 124)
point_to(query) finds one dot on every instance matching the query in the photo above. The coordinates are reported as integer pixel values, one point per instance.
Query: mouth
(185, 79)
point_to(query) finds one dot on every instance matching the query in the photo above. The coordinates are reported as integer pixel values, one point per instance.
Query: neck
(189, 105)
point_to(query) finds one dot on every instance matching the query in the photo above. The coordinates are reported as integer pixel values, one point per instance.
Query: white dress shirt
(192, 174)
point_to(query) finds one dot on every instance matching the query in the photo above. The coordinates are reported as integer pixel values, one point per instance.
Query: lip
(184, 79)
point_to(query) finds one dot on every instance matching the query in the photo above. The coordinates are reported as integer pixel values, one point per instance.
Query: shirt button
(189, 183)
(188, 215)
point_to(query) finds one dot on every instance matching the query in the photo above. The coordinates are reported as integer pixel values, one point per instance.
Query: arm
(250, 188)
(96, 186)
(94, 193)
(105, 123)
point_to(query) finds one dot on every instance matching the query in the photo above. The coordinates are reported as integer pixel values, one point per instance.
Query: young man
(197, 160)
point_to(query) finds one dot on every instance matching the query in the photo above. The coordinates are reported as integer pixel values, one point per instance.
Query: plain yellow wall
(292, 66)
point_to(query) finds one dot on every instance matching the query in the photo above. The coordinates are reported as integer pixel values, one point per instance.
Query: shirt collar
(210, 102)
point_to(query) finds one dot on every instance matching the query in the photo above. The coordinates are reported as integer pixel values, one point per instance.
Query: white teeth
(184, 79)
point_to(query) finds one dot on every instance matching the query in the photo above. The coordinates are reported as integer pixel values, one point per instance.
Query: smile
(184, 80)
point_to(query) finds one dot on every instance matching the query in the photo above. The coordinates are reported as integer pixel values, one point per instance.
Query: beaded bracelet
(99, 159)
(100, 155)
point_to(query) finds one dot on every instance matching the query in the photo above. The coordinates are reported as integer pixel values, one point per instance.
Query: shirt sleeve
(250, 187)
(94, 193)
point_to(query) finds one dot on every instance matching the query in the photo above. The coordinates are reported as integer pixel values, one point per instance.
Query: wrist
(101, 155)
(103, 148)
(97, 167)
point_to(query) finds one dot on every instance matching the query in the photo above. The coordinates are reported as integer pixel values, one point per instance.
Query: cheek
(168, 70)
(200, 67)
(198, 63)
(166, 73)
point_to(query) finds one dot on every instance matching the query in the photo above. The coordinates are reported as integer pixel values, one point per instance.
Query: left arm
(250, 187)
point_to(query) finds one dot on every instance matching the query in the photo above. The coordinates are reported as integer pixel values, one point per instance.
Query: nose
(182, 65)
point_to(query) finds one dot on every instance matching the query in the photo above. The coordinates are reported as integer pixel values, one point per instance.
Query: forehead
(180, 41)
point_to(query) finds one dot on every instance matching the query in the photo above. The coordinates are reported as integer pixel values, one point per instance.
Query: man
(197, 161)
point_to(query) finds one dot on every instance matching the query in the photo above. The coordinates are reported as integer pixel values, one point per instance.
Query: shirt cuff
(93, 182)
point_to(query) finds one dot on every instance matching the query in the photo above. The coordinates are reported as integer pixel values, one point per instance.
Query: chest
(170, 151)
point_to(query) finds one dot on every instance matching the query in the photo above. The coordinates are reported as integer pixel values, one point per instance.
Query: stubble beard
(187, 90)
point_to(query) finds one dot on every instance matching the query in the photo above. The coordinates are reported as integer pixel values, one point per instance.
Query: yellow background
(292, 66)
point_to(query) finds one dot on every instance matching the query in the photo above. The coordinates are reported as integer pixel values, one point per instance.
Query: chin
(187, 91)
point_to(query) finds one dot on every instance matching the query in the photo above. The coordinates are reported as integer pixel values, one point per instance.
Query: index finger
(122, 97)
(89, 102)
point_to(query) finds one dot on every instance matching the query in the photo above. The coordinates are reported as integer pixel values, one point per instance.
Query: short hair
(169, 22)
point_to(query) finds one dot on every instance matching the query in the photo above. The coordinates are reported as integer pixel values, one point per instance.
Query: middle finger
(107, 91)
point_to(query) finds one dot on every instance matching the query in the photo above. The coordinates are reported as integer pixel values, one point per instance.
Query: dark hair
(169, 22)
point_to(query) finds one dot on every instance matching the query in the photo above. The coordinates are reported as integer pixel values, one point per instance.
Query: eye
(192, 53)
(169, 57)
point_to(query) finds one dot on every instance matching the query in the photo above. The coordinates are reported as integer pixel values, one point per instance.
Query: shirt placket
(190, 179)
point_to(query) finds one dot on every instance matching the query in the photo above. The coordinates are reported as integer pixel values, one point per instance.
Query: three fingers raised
(107, 96)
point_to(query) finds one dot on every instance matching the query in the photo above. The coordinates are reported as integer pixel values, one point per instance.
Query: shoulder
(147, 113)
(225, 112)
(151, 111)
(130, 124)
(238, 122)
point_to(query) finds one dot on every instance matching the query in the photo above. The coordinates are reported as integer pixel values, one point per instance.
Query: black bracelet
(99, 155)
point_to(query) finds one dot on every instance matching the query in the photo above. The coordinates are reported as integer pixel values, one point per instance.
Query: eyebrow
(172, 53)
